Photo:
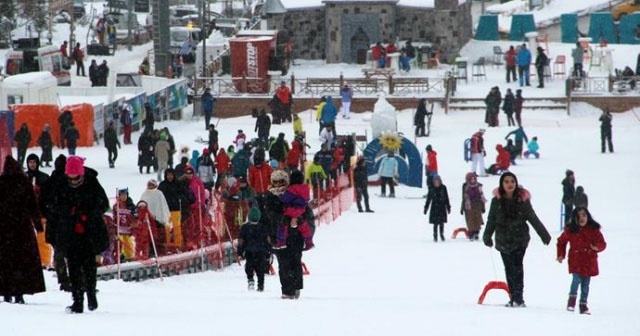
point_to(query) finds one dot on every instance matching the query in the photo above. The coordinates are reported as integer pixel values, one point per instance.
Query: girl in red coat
(586, 241)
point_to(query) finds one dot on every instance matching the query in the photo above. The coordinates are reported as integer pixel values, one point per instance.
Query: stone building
(342, 31)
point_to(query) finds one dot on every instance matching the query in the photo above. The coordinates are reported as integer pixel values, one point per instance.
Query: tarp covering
(569, 25)
(520, 25)
(36, 116)
(488, 28)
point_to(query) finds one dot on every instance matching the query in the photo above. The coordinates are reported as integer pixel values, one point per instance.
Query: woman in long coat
(46, 143)
(20, 268)
(145, 151)
(473, 205)
(438, 199)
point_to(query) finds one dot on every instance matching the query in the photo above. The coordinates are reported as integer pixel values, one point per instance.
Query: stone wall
(327, 32)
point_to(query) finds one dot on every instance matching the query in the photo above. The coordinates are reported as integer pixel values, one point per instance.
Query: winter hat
(205, 151)
(273, 163)
(33, 157)
(296, 177)
(279, 175)
(254, 214)
(569, 172)
(429, 148)
(74, 166)
(189, 169)
(152, 182)
(540, 49)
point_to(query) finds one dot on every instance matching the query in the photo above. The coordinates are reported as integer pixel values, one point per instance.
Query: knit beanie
(75, 165)
(254, 215)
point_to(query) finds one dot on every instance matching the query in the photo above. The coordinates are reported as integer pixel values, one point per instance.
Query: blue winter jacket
(329, 112)
(207, 102)
(519, 135)
(388, 167)
(345, 94)
(523, 57)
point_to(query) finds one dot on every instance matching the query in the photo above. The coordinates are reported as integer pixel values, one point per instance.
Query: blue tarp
(569, 25)
(488, 28)
(520, 25)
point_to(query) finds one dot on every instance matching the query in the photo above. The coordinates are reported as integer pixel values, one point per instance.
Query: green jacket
(512, 234)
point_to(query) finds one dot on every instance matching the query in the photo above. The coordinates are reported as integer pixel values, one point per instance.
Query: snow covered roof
(30, 79)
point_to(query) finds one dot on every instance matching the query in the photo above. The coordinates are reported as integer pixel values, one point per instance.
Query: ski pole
(153, 244)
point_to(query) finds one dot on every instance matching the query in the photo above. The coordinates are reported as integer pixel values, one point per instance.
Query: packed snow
(382, 274)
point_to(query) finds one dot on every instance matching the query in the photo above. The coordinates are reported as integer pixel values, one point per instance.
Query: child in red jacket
(586, 241)
(503, 161)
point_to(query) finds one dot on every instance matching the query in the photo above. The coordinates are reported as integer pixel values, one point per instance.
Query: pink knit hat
(75, 165)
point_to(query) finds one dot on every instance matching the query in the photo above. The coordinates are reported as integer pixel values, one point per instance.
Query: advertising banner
(250, 59)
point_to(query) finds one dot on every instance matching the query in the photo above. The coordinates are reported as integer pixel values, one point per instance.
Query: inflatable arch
(410, 167)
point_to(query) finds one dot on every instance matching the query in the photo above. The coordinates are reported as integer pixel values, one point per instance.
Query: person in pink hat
(81, 233)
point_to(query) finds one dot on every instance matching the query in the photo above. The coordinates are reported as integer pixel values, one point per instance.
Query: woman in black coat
(145, 151)
(438, 199)
(46, 143)
(20, 267)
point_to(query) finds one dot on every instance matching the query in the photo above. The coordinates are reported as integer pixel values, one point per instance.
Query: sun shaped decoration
(390, 141)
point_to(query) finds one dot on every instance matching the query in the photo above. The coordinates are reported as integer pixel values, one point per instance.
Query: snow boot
(571, 303)
(369, 210)
(78, 304)
(297, 294)
(584, 309)
(92, 301)
(19, 299)
(251, 285)
(8, 299)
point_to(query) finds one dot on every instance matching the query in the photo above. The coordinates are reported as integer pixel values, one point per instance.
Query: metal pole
(204, 38)
(129, 24)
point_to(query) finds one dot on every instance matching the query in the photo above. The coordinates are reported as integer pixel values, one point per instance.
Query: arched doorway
(359, 47)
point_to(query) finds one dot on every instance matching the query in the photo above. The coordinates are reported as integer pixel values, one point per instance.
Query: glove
(425, 210)
(461, 212)
(488, 242)
(449, 211)
(546, 240)
(484, 153)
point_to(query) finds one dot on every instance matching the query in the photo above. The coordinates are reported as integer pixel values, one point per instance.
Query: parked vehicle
(184, 41)
(28, 56)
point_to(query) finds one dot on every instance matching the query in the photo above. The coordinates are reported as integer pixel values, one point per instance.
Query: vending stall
(250, 62)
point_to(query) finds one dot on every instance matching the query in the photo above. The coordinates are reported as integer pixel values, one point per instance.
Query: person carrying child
(585, 241)
(254, 247)
(294, 202)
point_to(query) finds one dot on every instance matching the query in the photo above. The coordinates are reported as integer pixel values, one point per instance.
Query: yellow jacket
(319, 110)
(297, 125)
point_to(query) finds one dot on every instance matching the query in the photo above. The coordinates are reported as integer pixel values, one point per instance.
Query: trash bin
(197, 105)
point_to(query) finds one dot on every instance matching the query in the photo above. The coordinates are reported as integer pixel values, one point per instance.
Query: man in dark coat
(94, 74)
(20, 268)
(149, 118)
(605, 130)
(568, 194)
(279, 149)
(22, 139)
(71, 137)
(64, 119)
(541, 61)
(112, 143)
(82, 234)
(263, 126)
(361, 182)
(207, 107)
(103, 73)
(33, 171)
(177, 196)
(418, 118)
(493, 101)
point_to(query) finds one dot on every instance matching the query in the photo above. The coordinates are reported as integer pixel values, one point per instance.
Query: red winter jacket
(503, 160)
(295, 155)
(432, 161)
(583, 260)
(259, 177)
(510, 57)
(223, 163)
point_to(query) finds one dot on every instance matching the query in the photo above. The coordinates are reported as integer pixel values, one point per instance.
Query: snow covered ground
(381, 274)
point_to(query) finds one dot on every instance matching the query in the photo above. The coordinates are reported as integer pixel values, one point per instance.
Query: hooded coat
(438, 200)
(513, 232)
(20, 267)
(329, 112)
(583, 259)
(46, 143)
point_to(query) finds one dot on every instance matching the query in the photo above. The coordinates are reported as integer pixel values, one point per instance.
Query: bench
(323, 85)
(413, 84)
(378, 72)
(364, 85)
